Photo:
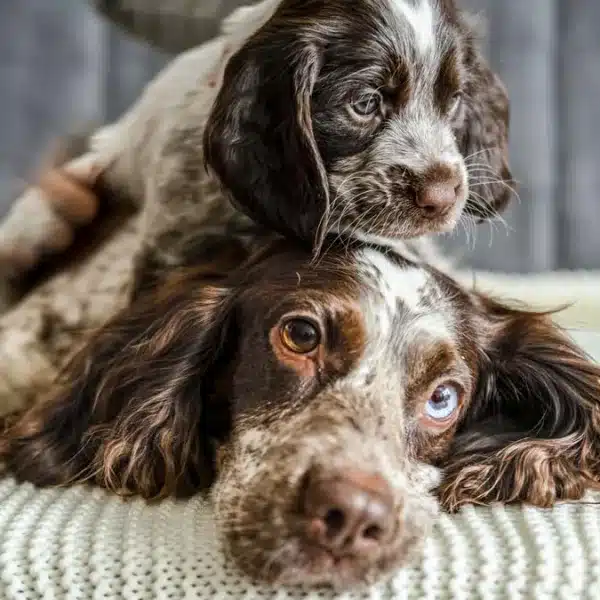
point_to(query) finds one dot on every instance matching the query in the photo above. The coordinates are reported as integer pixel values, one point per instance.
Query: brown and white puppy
(312, 396)
(379, 118)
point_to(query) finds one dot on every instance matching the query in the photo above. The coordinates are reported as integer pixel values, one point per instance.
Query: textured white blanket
(83, 543)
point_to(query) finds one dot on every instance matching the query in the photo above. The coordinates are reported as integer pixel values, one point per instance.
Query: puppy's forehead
(417, 19)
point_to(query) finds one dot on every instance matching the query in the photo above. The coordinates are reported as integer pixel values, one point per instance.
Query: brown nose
(436, 199)
(349, 512)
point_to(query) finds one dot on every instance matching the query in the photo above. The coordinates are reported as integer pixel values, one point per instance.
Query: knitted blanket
(83, 543)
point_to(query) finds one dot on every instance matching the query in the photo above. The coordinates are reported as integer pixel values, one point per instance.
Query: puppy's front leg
(42, 221)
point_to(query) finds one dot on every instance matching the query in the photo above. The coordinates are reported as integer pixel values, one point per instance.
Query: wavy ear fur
(483, 137)
(532, 431)
(259, 138)
(132, 411)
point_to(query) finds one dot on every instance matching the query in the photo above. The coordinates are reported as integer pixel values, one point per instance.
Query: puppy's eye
(301, 336)
(443, 402)
(455, 103)
(367, 104)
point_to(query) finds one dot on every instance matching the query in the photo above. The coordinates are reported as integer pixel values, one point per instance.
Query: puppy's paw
(43, 220)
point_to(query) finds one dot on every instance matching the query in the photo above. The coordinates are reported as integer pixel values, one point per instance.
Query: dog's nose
(437, 198)
(349, 512)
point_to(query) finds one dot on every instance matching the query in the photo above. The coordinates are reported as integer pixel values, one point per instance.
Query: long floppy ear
(259, 137)
(483, 136)
(131, 412)
(532, 431)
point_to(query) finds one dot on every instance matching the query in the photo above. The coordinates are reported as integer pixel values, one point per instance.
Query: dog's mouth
(274, 544)
(335, 510)
(399, 228)
(317, 566)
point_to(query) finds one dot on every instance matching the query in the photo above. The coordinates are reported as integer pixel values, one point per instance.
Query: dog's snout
(438, 197)
(349, 512)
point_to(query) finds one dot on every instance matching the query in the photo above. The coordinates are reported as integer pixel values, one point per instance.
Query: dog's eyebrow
(427, 362)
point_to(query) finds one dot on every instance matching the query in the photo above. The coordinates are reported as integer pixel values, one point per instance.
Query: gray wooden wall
(61, 66)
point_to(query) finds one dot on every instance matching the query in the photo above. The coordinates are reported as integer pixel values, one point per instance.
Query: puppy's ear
(259, 137)
(532, 430)
(483, 135)
(131, 413)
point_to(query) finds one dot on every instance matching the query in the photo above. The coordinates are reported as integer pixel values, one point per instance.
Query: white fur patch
(399, 288)
(396, 283)
(420, 17)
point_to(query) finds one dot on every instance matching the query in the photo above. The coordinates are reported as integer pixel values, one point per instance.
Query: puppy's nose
(437, 198)
(349, 512)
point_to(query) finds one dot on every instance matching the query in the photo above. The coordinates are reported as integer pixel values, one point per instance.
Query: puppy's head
(382, 118)
(313, 398)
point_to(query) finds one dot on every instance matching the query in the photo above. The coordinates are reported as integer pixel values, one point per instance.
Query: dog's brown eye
(300, 336)
(367, 104)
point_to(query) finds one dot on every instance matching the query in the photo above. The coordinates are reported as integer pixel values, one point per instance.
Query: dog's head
(311, 397)
(379, 117)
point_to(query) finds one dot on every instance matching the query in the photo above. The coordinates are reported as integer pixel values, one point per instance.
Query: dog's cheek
(250, 504)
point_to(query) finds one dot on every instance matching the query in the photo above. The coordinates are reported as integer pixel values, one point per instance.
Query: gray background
(62, 66)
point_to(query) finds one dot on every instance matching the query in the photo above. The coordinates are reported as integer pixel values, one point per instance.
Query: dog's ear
(259, 137)
(483, 134)
(532, 430)
(131, 411)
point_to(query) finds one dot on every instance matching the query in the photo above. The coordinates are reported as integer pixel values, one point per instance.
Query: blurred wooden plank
(579, 165)
(130, 66)
(522, 48)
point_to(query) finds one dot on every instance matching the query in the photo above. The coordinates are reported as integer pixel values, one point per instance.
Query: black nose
(349, 512)
(438, 198)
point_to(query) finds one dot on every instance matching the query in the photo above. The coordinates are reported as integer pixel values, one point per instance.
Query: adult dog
(312, 396)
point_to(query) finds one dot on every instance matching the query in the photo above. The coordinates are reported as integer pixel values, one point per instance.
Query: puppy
(383, 121)
(312, 397)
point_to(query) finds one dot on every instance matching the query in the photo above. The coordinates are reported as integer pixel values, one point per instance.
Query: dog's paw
(43, 220)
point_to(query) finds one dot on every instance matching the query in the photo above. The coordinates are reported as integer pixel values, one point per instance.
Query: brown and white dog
(312, 396)
(378, 118)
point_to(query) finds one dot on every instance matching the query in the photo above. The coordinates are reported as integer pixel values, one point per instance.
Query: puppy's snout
(438, 197)
(349, 513)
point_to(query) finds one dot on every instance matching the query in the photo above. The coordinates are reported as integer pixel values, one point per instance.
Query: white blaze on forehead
(397, 313)
(396, 283)
(420, 17)
(402, 289)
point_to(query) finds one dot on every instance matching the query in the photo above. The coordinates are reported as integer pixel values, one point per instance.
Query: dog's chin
(316, 567)
(403, 222)
(406, 229)
(311, 566)
(284, 558)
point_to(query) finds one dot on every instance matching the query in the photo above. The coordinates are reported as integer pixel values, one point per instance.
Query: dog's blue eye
(443, 402)
(367, 104)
